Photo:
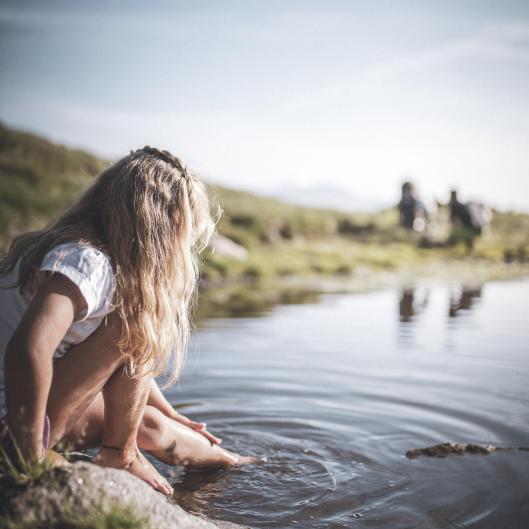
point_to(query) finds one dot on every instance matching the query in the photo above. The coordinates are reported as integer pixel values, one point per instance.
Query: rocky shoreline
(69, 497)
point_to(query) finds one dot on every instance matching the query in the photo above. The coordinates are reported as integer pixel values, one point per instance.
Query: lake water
(334, 393)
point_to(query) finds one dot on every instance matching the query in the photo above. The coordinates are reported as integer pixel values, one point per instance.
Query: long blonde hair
(152, 217)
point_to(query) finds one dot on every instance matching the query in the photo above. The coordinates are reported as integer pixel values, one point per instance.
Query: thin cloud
(508, 42)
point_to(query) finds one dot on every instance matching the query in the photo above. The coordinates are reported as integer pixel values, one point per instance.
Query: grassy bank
(39, 179)
(284, 239)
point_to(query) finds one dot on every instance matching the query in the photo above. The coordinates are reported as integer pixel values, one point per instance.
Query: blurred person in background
(468, 220)
(413, 212)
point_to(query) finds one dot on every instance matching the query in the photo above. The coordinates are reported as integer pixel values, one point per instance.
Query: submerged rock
(448, 449)
(83, 488)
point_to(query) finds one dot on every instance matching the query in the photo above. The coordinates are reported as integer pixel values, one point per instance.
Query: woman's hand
(158, 400)
(199, 427)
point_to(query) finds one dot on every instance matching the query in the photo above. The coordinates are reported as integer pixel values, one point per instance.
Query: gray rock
(227, 248)
(83, 488)
(459, 449)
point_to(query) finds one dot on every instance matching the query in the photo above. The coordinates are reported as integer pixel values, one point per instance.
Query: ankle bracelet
(118, 448)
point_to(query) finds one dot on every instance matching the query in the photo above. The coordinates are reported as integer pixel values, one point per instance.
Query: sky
(338, 98)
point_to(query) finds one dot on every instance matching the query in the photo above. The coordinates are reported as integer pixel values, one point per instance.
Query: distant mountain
(328, 197)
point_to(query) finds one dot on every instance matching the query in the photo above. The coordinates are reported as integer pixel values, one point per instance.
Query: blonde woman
(95, 306)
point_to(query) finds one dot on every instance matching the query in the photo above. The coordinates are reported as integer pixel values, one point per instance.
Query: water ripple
(333, 395)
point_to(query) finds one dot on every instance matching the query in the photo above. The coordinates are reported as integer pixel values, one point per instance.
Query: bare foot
(247, 460)
(135, 463)
(175, 443)
(56, 459)
(221, 459)
(238, 460)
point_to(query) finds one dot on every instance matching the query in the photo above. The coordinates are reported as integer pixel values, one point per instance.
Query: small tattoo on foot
(171, 447)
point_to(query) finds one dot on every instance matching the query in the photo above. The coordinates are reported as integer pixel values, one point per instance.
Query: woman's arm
(28, 363)
(158, 400)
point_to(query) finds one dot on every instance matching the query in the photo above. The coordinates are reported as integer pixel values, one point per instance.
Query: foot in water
(174, 443)
(243, 460)
(135, 463)
(209, 458)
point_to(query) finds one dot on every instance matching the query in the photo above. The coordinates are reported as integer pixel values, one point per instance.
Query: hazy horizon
(285, 96)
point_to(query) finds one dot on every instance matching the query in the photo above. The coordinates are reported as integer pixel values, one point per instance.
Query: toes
(165, 488)
(249, 460)
(231, 459)
(156, 485)
(162, 485)
(164, 482)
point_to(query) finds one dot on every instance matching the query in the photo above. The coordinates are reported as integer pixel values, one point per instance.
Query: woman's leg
(124, 403)
(166, 439)
(176, 444)
(89, 368)
(80, 375)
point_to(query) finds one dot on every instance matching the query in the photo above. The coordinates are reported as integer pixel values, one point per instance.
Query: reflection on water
(413, 301)
(195, 489)
(464, 301)
(255, 298)
(409, 305)
(335, 392)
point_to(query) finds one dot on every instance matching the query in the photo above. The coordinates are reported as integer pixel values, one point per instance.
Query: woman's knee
(85, 432)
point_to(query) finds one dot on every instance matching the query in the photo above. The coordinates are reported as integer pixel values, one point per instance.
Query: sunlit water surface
(334, 393)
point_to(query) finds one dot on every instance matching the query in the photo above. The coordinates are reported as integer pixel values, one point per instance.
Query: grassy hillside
(39, 179)
(284, 239)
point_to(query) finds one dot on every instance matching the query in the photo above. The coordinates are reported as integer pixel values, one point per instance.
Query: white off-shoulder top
(88, 268)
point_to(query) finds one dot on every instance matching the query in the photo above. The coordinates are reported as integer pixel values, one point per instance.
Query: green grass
(18, 473)
(114, 517)
(255, 220)
(38, 179)
(17, 470)
(251, 298)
